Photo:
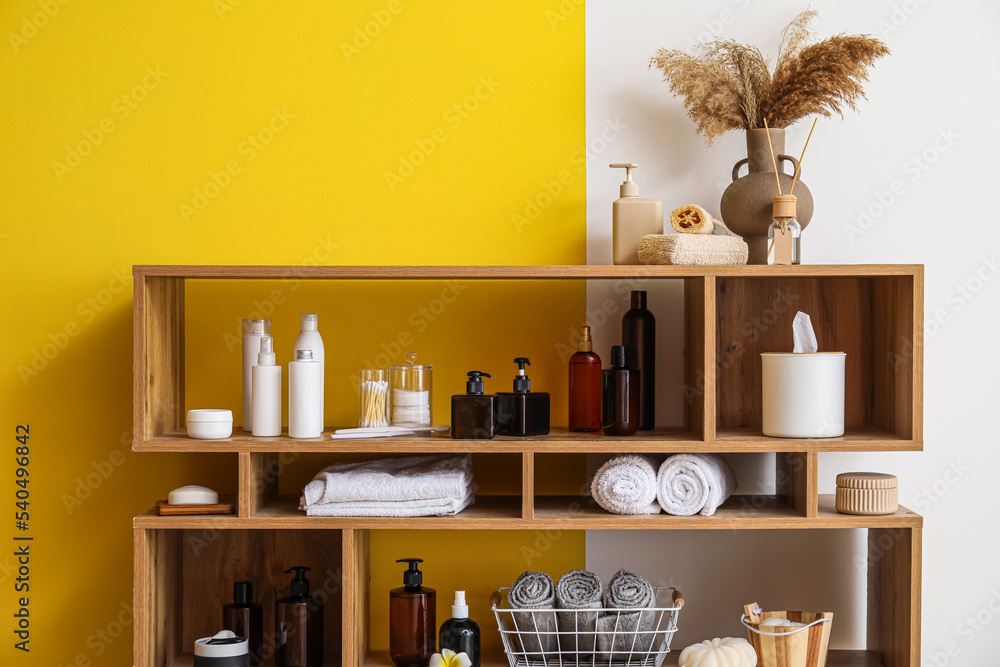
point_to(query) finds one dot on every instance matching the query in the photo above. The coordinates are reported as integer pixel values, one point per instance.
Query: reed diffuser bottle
(785, 233)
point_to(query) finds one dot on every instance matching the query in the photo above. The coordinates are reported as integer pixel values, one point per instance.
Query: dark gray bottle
(460, 633)
(639, 336)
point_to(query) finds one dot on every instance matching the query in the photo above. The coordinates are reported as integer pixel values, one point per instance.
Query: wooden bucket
(778, 646)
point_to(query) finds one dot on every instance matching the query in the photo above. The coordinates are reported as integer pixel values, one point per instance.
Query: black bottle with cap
(639, 336)
(245, 618)
(298, 625)
(522, 412)
(412, 619)
(473, 414)
(619, 395)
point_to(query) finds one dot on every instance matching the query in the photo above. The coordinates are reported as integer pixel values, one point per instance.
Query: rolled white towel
(627, 485)
(689, 484)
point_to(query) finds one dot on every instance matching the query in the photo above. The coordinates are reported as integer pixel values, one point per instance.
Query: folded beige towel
(692, 249)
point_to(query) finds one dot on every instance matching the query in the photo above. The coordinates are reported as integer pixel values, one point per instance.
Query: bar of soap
(193, 494)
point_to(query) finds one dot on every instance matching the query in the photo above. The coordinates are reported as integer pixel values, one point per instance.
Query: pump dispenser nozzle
(522, 385)
(475, 384)
(413, 577)
(266, 356)
(460, 609)
(628, 188)
(586, 342)
(300, 585)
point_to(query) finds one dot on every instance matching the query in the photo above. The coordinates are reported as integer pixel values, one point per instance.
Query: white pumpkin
(724, 652)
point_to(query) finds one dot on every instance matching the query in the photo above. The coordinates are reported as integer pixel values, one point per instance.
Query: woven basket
(778, 646)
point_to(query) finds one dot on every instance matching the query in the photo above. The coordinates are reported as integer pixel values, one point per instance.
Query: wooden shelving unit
(732, 314)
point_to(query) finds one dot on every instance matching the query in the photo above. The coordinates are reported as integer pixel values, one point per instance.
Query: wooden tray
(165, 509)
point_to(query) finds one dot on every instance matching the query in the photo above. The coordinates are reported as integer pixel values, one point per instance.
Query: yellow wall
(240, 131)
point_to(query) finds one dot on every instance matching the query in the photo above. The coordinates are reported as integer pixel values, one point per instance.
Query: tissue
(803, 336)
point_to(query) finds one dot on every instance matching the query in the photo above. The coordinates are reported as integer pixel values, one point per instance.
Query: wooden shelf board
(492, 272)
(490, 659)
(859, 438)
(555, 512)
(665, 441)
(187, 660)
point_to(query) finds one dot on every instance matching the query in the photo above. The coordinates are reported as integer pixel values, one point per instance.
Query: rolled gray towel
(534, 590)
(576, 592)
(627, 632)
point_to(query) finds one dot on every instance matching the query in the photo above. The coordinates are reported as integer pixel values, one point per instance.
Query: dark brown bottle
(245, 617)
(620, 403)
(585, 386)
(473, 414)
(639, 336)
(298, 625)
(412, 619)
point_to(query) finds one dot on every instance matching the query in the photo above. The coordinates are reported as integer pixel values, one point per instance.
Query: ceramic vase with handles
(746, 203)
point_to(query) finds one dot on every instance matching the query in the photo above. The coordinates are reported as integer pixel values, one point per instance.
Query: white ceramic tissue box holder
(803, 394)
(209, 424)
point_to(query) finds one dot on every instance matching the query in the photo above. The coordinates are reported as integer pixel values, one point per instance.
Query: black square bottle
(521, 412)
(639, 336)
(473, 414)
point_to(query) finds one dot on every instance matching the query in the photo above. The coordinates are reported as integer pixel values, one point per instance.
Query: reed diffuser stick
(803, 156)
(773, 161)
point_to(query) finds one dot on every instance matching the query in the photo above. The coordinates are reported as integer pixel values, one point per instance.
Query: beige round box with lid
(867, 493)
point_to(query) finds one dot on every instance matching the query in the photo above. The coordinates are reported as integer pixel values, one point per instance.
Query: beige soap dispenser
(633, 218)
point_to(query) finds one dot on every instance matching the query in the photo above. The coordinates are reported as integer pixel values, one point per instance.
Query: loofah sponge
(692, 219)
(692, 249)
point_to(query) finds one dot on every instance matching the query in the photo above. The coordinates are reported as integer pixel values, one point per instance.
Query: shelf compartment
(184, 575)
(876, 320)
(835, 658)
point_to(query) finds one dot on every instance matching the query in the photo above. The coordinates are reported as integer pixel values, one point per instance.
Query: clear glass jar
(410, 393)
(373, 408)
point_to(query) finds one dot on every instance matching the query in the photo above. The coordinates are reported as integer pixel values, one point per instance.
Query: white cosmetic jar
(209, 424)
(803, 394)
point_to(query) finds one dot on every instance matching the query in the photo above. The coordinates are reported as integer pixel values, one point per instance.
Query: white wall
(930, 127)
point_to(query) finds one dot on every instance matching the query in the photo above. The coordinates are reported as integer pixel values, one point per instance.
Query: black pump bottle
(522, 412)
(620, 396)
(639, 336)
(412, 619)
(298, 625)
(245, 617)
(473, 414)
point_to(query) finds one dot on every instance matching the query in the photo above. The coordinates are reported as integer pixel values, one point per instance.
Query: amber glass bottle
(298, 625)
(412, 619)
(245, 618)
(585, 386)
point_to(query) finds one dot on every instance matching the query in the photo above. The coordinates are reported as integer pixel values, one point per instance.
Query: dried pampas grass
(732, 88)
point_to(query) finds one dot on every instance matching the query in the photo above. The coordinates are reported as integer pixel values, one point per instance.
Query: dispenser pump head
(266, 356)
(586, 342)
(300, 585)
(618, 357)
(413, 577)
(522, 385)
(628, 188)
(460, 608)
(475, 384)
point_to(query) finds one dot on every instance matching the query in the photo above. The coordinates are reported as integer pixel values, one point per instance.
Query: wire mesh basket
(588, 637)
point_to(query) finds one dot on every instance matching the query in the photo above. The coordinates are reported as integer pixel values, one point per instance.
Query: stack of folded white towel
(436, 485)
(683, 485)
